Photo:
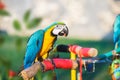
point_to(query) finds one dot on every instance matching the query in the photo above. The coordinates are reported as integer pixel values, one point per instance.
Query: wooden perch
(48, 65)
(31, 71)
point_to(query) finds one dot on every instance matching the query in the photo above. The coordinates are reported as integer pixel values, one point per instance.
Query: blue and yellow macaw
(116, 38)
(116, 34)
(41, 42)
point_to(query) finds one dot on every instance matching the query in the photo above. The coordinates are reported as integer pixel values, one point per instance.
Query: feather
(116, 35)
(33, 47)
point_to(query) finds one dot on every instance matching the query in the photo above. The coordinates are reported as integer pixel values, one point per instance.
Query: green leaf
(18, 43)
(26, 16)
(4, 13)
(34, 23)
(17, 25)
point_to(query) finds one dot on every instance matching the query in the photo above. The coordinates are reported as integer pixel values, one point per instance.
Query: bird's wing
(116, 33)
(33, 47)
(116, 27)
(115, 37)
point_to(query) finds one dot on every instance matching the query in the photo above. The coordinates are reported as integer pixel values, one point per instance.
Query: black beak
(66, 31)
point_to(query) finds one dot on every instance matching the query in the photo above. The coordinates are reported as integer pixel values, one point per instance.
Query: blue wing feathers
(116, 36)
(33, 47)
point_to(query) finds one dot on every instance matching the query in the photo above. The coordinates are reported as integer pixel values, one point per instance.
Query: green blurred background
(90, 25)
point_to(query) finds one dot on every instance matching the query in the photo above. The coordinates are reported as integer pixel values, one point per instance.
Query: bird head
(60, 30)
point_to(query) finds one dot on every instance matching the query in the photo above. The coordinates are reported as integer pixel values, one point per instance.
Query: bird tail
(20, 69)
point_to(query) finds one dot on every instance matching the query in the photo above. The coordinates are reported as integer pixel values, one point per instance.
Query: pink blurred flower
(2, 5)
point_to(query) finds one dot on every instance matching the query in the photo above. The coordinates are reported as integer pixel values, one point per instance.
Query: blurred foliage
(34, 23)
(11, 58)
(1, 40)
(4, 13)
(19, 43)
(2, 37)
(26, 16)
(17, 25)
(29, 23)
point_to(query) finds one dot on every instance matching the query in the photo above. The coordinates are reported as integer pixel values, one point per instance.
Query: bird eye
(59, 27)
(56, 25)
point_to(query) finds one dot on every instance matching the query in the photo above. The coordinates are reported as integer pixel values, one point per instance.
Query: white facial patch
(58, 29)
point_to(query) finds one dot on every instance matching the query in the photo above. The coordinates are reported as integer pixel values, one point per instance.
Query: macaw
(41, 42)
(116, 39)
(116, 34)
